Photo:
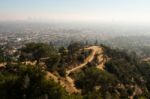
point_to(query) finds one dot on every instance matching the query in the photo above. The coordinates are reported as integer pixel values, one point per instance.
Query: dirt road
(67, 82)
(95, 50)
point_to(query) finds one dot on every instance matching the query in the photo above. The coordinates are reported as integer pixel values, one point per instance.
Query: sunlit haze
(126, 11)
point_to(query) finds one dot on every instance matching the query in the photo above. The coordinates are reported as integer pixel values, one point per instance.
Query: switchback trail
(95, 50)
(68, 83)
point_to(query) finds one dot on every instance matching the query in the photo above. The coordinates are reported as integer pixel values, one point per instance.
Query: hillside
(79, 71)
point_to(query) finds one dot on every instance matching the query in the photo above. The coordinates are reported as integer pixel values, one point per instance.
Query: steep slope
(90, 72)
(95, 50)
(68, 82)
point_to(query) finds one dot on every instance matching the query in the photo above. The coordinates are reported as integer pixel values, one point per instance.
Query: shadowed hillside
(79, 71)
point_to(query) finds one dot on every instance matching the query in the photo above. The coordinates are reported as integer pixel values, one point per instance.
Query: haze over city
(66, 20)
(114, 11)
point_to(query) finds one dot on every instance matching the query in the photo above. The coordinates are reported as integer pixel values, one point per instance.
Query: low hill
(78, 71)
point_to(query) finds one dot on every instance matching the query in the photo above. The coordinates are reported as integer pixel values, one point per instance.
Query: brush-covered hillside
(78, 71)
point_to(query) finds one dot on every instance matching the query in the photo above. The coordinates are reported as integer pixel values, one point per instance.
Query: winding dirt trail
(95, 49)
(68, 82)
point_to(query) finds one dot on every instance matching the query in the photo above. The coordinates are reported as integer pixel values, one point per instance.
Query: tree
(53, 62)
(28, 82)
(92, 77)
(37, 51)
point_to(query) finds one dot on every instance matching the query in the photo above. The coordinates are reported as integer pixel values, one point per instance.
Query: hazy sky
(76, 10)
